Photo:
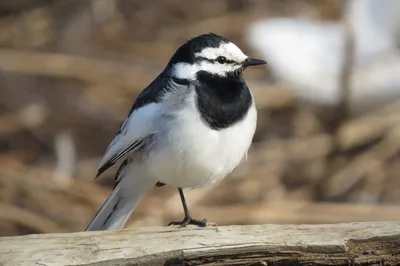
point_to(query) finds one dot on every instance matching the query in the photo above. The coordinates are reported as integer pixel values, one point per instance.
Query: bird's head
(209, 54)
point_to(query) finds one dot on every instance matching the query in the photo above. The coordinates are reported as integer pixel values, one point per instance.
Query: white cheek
(185, 71)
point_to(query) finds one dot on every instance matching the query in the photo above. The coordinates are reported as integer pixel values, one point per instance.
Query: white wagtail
(189, 128)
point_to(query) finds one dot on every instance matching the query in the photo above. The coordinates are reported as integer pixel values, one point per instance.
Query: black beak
(253, 62)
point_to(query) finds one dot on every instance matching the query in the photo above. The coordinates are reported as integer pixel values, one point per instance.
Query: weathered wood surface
(372, 243)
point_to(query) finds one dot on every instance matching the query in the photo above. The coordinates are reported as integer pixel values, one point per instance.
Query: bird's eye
(221, 59)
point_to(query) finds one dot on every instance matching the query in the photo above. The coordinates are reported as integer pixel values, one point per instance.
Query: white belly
(190, 154)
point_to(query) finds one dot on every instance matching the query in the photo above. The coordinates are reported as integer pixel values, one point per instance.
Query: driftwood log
(371, 243)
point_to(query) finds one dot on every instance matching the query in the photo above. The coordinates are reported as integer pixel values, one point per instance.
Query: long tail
(121, 203)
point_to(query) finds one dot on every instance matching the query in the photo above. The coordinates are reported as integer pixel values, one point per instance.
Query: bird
(187, 129)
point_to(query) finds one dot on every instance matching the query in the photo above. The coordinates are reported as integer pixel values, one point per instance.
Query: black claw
(188, 220)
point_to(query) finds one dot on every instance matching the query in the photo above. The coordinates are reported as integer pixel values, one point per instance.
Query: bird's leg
(187, 219)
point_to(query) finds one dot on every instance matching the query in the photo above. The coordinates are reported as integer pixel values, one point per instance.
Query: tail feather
(120, 204)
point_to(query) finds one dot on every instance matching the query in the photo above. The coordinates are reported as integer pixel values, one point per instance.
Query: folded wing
(140, 124)
(135, 131)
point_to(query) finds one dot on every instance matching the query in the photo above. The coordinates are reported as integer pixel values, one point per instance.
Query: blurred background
(327, 144)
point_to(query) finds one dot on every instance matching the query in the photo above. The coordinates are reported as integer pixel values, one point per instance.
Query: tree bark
(372, 243)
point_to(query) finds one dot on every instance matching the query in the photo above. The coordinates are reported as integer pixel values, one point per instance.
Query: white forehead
(229, 50)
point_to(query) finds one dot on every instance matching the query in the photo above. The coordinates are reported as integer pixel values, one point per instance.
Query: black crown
(186, 52)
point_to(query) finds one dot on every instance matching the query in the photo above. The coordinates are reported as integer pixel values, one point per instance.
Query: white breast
(187, 153)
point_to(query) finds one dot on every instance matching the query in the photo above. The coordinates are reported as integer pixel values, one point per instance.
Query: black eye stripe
(231, 62)
(201, 58)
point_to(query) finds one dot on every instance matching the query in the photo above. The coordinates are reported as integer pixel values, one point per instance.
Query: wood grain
(335, 244)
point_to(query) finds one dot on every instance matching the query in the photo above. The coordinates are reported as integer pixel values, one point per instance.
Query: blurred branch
(89, 70)
(342, 109)
(28, 219)
(367, 128)
(110, 74)
(371, 160)
(295, 213)
(346, 70)
(65, 150)
(30, 116)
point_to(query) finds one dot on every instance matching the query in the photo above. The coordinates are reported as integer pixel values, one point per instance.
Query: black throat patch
(222, 101)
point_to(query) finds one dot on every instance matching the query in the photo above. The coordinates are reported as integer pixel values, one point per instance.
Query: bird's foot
(189, 220)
